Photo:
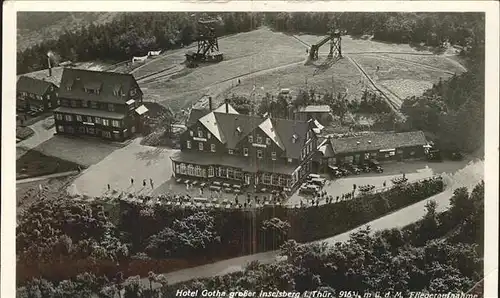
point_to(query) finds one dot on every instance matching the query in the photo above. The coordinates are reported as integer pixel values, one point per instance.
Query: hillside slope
(34, 27)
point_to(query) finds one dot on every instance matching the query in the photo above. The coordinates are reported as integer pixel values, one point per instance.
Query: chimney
(227, 106)
(210, 103)
(50, 67)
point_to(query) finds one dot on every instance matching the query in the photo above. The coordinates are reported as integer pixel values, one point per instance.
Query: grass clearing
(433, 61)
(401, 78)
(83, 151)
(344, 75)
(34, 163)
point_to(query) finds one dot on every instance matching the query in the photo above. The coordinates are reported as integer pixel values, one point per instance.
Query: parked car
(365, 168)
(375, 166)
(336, 172)
(311, 189)
(434, 155)
(456, 156)
(318, 181)
(353, 168)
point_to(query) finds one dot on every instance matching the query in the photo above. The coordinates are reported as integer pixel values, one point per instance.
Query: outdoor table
(217, 206)
(216, 183)
(198, 204)
(227, 189)
(186, 181)
(187, 204)
(215, 200)
(263, 189)
(266, 203)
(178, 180)
(237, 191)
(168, 203)
(203, 184)
(237, 186)
(226, 185)
(225, 201)
(228, 206)
(213, 187)
(202, 200)
(194, 182)
(209, 205)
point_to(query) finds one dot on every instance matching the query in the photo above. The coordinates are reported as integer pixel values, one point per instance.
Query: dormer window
(200, 133)
(238, 129)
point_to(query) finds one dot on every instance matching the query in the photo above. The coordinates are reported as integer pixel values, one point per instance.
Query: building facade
(249, 150)
(381, 147)
(36, 95)
(101, 104)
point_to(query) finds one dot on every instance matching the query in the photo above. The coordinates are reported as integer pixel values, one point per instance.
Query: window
(59, 117)
(230, 173)
(132, 92)
(250, 139)
(191, 133)
(68, 117)
(259, 153)
(200, 133)
(259, 139)
(94, 104)
(111, 107)
(367, 155)
(210, 171)
(230, 151)
(39, 97)
(116, 123)
(412, 153)
(245, 151)
(200, 146)
(177, 168)
(209, 135)
(268, 141)
(79, 118)
(49, 104)
(90, 119)
(105, 122)
(212, 147)
(183, 168)
(290, 160)
(81, 129)
(273, 155)
(97, 120)
(294, 138)
(188, 144)
(106, 134)
(48, 96)
(60, 128)
(190, 170)
(58, 102)
(266, 179)
(197, 171)
(73, 104)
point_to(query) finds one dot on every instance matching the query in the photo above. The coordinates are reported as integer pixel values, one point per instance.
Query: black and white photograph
(238, 150)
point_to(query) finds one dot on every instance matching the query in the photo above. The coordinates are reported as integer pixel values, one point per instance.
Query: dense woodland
(441, 253)
(107, 237)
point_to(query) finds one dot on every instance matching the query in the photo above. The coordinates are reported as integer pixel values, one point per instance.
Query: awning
(387, 150)
(141, 110)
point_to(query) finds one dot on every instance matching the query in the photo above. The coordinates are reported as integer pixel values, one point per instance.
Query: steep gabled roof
(378, 142)
(31, 85)
(286, 130)
(212, 126)
(235, 127)
(268, 128)
(106, 82)
(196, 114)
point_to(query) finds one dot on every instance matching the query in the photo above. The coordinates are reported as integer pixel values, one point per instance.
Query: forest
(440, 253)
(60, 238)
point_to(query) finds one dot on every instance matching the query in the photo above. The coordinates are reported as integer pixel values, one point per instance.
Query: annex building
(35, 95)
(381, 147)
(224, 145)
(101, 104)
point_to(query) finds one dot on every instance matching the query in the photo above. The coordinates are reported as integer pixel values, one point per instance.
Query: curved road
(469, 176)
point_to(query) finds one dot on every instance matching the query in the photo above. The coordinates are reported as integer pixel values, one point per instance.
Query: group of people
(144, 183)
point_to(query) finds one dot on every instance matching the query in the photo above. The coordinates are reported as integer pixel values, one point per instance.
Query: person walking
(131, 181)
(143, 182)
(151, 182)
(384, 184)
(109, 187)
